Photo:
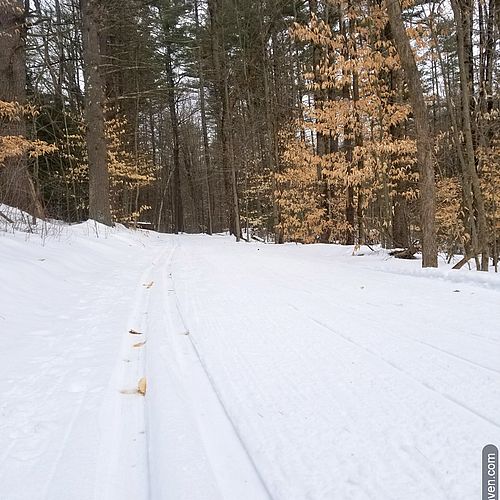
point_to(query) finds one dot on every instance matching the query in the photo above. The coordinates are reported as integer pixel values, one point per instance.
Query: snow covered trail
(345, 381)
(284, 372)
(64, 320)
(82, 320)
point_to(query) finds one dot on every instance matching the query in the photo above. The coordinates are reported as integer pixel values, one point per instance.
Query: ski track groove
(157, 263)
(130, 366)
(169, 327)
(171, 290)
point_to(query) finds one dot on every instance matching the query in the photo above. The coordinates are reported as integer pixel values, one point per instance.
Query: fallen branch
(7, 218)
(461, 263)
(407, 253)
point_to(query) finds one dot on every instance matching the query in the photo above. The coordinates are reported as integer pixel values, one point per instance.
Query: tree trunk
(224, 120)
(99, 199)
(271, 139)
(348, 144)
(427, 185)
(16, 186)
(497, 12)
(470, 157)
(321, 140)
(174, 121)
(206, 149)
(231, 159)
(400, 227)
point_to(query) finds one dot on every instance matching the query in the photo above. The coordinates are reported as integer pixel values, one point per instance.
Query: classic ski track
(129, 367)
(236, 342)
(168, 268)
(172, 309)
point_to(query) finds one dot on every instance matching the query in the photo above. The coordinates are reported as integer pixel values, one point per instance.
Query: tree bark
(427, 185)
(348, 144)
(497, 12)
(99, 198)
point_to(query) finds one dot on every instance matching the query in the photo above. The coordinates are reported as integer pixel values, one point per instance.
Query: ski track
(75, 322)
(216, 456)
(414, 378)
(284, 373)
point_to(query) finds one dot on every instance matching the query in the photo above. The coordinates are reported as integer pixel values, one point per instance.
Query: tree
(203, 116)
(16, 184)
(224, 119)
(353, 115)
(170, 12)
(425, 160)
(462, 12)
(99, 201)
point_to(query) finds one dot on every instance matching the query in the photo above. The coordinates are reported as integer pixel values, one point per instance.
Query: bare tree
(16, 185)
(462, 12)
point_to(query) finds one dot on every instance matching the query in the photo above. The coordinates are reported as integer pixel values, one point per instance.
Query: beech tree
(348, 133)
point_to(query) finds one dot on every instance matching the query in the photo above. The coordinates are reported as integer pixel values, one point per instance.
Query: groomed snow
(287, 372)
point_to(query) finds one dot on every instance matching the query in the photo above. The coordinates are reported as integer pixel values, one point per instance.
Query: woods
(249, 249)
(371, 122)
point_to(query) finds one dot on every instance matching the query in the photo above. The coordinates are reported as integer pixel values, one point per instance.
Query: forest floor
(284, 372)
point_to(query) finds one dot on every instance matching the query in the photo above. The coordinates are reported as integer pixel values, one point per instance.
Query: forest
(238, 249)
(352, 122)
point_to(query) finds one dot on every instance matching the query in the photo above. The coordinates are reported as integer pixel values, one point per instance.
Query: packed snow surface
(273, 372)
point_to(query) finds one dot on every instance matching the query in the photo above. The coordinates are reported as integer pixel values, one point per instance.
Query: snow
(285, 372)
